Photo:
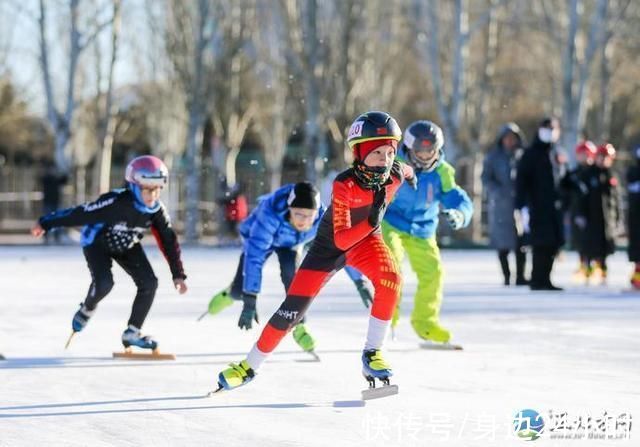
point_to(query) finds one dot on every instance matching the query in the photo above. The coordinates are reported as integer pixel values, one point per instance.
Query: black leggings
(134, 261)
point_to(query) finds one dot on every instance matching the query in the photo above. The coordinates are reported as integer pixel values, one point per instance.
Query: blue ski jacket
(416, 211)
(266, 229)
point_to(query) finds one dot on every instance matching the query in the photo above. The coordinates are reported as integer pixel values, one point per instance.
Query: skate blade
(154, 355)
(66, 345)
(219, 390)
(440, 346)
(314, 358)
(377, 393)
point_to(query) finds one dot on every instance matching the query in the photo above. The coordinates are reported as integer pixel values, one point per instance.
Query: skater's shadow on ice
(275, 406)
(218, 358)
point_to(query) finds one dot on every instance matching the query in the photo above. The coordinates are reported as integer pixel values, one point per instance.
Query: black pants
(543, 257)
(136, 264)
(288, 260)
(521, 263)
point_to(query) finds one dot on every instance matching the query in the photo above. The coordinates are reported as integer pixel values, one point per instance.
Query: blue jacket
(266, 229)
(416, 211)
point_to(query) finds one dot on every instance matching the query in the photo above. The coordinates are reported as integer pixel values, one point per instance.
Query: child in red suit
(349, 234)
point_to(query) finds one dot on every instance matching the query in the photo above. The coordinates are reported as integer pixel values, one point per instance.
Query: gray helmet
(424, 136)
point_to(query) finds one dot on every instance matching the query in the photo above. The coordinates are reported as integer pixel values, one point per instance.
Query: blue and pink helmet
(147, 171)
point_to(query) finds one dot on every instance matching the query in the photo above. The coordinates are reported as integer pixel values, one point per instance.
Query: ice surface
(574, 352)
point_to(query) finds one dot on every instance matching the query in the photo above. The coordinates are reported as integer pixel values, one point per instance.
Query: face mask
(545, 134)
(370, 176)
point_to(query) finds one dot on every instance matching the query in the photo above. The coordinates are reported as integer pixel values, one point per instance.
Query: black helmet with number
(424, 138)
(372, 126)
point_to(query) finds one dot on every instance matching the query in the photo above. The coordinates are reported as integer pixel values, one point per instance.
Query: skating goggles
(150, 179)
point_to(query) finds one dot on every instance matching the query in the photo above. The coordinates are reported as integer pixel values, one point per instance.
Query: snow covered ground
(574, 352)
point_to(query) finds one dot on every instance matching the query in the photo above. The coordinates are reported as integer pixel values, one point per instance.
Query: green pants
(424, 256)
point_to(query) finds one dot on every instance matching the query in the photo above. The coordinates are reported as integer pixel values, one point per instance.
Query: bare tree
(451, 97)
(108, 122)
(277, 116)
(617, 12)
(235, 102)
(61, 120)
(300, 19)
(190, 30)
(575, 85)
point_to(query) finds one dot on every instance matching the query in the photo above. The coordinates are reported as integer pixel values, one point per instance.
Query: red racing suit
(345, 237)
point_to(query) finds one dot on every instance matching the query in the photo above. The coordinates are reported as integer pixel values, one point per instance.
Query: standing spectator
(633, 218)
(600, 208)
(574, 188)
(538, 207)
(498, 178)
(51, 181)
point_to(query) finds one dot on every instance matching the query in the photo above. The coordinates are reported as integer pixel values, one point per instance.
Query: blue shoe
(132, 337)
(373, 365)
(81, 318)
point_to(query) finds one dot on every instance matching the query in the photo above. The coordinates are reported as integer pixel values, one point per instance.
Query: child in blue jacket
(282, 222)
(412, 219)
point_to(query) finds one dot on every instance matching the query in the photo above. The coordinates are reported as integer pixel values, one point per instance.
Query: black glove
(365, 292)
(378, 207)
(248, 313)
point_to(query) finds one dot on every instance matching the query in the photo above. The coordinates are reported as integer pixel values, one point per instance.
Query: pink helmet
(147, 170)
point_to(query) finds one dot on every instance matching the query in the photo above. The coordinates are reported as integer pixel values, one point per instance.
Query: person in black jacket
(633, 217)
(574, 188)
(113, 228)
(538, 208)
(600, 208)
(52, 181)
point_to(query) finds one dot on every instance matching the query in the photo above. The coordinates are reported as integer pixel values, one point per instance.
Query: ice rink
(574, 353)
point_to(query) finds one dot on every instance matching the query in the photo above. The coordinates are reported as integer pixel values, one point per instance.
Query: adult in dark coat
(498, 178)
(537, 195)
(601, 208)
(633, 217)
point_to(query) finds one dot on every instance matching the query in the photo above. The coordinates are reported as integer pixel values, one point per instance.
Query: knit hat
(304, 195)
